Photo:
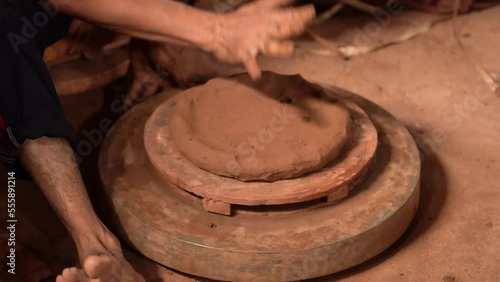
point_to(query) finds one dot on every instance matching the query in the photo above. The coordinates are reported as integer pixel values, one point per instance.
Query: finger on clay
(253, 69)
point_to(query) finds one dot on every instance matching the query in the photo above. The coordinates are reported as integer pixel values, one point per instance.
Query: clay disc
(280, 127)
(343, 172)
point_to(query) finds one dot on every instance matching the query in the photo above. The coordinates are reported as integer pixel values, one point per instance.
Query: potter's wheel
(221, 228)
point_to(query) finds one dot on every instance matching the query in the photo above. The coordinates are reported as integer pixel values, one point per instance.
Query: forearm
(158, 20)
(52, 165)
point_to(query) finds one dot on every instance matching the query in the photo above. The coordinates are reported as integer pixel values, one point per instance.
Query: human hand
(261, 27)
(159, 65)
(147, 80)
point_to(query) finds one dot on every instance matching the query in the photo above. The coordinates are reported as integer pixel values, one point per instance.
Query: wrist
(211, 31)
(215, 34)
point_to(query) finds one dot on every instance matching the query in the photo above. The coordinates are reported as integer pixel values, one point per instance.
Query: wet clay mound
(279, 127)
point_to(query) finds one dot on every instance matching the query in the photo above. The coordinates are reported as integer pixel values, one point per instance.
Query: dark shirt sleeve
(29, 105)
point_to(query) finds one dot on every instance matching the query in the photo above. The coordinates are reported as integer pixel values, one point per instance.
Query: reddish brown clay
(280, 127)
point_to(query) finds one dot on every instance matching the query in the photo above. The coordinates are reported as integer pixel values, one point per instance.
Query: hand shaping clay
(277, 128)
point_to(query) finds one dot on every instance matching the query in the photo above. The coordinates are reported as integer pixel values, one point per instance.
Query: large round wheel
(266, 243)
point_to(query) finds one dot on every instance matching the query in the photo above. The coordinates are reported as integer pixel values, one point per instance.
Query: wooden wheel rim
(178, 233)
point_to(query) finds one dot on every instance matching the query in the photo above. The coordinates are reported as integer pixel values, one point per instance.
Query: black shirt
(29, 105)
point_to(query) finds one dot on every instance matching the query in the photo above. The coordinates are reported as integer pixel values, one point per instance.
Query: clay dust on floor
(430, 84)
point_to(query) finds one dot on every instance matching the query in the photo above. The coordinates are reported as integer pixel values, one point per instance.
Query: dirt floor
(443, 93)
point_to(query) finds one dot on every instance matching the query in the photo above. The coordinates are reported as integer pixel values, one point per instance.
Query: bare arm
(157, 20)
(51, 163)
(238, 37)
